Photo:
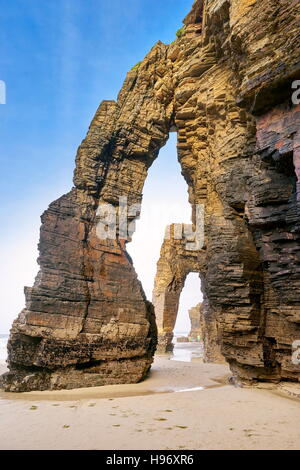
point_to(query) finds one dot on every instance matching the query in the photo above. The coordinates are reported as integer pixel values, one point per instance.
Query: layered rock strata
(225, 85)
(173, 267)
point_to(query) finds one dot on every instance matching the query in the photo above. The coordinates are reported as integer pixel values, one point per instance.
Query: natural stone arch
(87, 321)
(176, 262)
(173, 267)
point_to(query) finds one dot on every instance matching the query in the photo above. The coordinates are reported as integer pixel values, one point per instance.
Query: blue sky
(59, 59)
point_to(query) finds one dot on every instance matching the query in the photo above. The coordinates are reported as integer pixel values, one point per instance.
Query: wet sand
(182, 405)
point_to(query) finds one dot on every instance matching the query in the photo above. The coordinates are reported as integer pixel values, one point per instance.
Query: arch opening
(165, 201)
(190, 297)
(187, 339)
(177, 287)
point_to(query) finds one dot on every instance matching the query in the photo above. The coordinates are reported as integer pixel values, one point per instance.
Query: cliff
(225, 86)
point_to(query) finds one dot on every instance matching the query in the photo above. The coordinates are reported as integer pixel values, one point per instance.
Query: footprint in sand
(250, 433)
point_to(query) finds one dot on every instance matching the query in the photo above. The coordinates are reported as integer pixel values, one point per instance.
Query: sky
(59, 59)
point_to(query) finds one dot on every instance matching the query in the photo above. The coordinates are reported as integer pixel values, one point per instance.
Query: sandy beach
(182, 405)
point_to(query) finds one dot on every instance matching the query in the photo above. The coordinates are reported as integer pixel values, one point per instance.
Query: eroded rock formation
(173, 266)
(195, 318)
(205, 325)
(175, 263)
(225, 85)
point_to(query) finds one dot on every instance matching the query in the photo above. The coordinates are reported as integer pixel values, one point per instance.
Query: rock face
(225, 86)
(174, 264)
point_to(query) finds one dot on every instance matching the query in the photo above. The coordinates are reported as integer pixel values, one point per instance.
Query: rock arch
(176, 262)
(173, 267)
(87, 321)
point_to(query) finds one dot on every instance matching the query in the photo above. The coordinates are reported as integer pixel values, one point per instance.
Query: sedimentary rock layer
(225, 86)
(206, 327)
(174, 264)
